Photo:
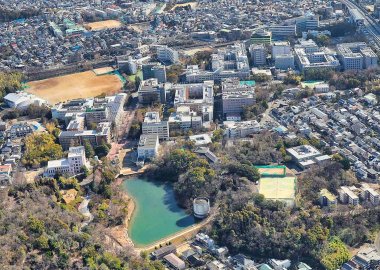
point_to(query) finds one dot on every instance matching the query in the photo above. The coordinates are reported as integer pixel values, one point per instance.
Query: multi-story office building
(167, 55)
(70, 166)
(148, 146)
(280, 48)
(282, 31)
(307, 22)
(240, 129)
(153, 125)
(284, 61)
(356, 56)
(258, 54)
(226, 63)
(78, 137)
(236, 96)
(199, 97)
(309, 56)
(184, 119)
(261, 36)
(150, 91)
(154, 71)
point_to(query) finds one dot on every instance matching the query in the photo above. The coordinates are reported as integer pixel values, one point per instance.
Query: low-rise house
(175, 262)
(162, 252)
(280, 264)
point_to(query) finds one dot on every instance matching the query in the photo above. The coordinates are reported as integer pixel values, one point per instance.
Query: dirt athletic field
(101, 25)
(78, 85)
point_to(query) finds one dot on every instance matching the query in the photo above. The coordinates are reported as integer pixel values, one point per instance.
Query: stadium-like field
(278, 188)
(101, 25)
(78, 85)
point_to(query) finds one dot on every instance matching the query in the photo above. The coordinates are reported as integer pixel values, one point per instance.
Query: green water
(157, 214)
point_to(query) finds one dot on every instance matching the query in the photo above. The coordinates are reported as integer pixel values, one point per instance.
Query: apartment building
(72, 165)
(356, 56)
(235, 96)
(326, 198)
(369, 194)
(153, 125)
(348, 196)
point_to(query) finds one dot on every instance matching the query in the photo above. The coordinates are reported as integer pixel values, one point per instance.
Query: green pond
(156, 214)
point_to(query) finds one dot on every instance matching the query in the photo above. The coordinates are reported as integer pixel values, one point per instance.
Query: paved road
(83, 209)
(377, 242)
(369, 23)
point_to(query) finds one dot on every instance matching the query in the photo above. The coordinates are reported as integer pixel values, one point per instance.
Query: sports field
(78, 85)
(281, 188)
(101, 25)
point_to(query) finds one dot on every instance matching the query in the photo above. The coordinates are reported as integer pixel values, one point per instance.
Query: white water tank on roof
(201, 207)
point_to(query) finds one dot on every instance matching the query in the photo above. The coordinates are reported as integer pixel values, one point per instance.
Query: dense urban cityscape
(178, 134)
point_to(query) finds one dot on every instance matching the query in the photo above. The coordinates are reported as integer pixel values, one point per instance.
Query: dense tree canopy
(40, 148)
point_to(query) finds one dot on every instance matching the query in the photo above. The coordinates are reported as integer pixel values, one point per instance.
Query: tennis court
(278, 188)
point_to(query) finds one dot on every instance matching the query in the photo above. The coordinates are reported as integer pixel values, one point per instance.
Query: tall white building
(166, 54)
(153, 125)
(356, 56)
(284, 61)
(148, 146)
(258, 54)
(310, 56)
(69, 166)
(280, 48)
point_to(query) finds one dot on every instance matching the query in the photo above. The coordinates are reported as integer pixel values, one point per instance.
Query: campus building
(167, 55)
(356, 56)
(199, 97)
(150, 91)
(311, 57)
(70, 166)
(148, 146)
(261, 36)
(153, 125)
(258, 54)
(235, 96)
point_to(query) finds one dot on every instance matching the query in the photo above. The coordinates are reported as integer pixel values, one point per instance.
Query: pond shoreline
(132, 211)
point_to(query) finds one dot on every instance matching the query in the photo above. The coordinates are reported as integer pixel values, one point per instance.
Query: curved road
(83, 209)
